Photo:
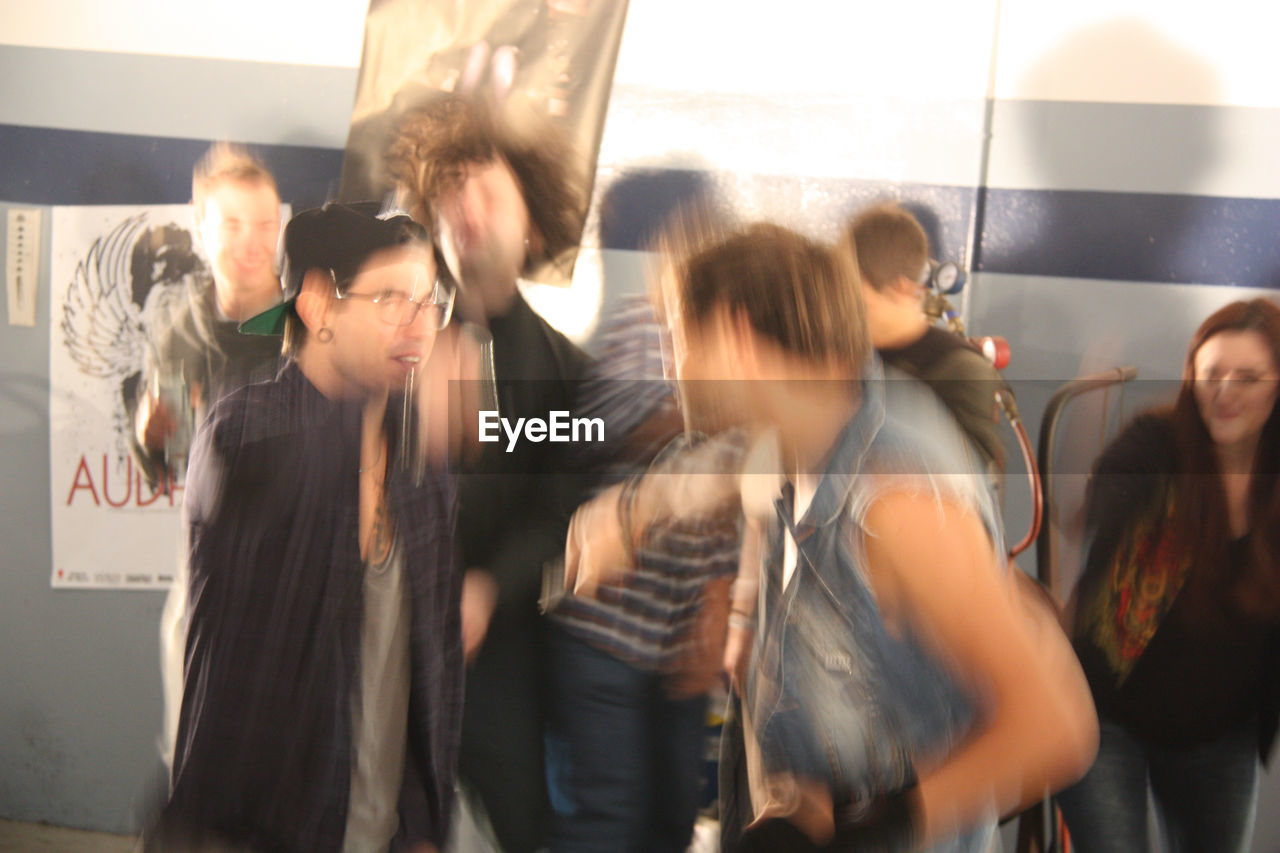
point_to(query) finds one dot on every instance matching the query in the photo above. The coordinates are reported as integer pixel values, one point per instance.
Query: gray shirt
(379, 708)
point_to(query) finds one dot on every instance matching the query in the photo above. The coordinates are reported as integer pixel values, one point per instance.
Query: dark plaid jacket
(275, 612)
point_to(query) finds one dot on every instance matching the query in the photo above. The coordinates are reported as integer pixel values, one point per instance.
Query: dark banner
(554, 57)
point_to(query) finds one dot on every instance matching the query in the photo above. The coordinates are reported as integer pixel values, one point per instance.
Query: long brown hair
(434, 144)
(1201, 506)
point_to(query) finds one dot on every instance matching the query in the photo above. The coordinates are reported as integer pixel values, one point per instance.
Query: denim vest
(834, 694)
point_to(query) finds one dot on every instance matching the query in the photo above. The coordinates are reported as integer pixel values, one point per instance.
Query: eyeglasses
(396, 309)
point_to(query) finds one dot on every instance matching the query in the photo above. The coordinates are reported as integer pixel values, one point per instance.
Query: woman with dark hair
(1177, 608)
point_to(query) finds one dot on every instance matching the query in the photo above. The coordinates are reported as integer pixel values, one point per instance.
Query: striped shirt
(646, 619)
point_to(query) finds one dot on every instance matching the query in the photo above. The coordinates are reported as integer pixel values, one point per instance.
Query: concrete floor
(38, 838)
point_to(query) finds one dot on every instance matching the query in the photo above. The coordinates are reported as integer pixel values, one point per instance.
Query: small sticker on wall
(22, 264)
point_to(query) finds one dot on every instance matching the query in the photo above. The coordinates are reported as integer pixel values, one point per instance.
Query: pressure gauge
(948, 277)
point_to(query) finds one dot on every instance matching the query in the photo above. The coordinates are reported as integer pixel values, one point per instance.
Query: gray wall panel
(79, 670)
(172, 96)
(1154, 148)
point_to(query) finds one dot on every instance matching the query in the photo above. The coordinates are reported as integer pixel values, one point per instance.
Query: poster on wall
(112, 270)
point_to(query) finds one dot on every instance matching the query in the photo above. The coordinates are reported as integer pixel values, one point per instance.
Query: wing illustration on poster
(116, 271)
(128, 276)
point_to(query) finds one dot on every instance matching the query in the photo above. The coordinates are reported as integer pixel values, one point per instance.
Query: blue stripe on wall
(1147, 237)
(50, 166)
(634, 203)
(1075, 234)
(1150, 237)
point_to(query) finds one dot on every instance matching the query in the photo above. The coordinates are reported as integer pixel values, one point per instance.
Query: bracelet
(738, 619)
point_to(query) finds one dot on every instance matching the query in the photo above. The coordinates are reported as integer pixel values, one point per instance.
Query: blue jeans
(624, 762)
(1205, 795)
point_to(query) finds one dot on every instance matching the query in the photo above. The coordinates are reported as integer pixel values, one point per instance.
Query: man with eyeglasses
(323, 664)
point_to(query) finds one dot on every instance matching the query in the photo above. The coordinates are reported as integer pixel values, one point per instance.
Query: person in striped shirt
(631, 665)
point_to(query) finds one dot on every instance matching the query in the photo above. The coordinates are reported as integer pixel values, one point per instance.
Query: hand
(451, 386)
(697, 668)
(737, 656)
(594, 552)
(479, 597)
(794, 815)
(156, 424)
